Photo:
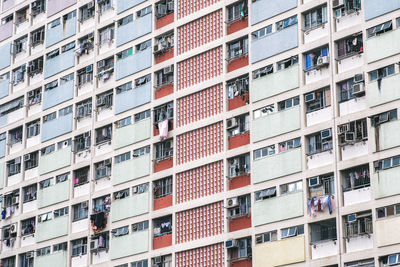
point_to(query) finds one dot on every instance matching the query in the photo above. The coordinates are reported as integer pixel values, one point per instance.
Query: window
(31, 160)
(38, 7)
(387, 163)
(390, 260)
(162, 187)
(317, 58)
(267, 237)
(242, 208)
(347, 91)
(60, 247)
(11, 106)
(323, 231)
(64, 144)
(141, 151)
(54, 23)
(124, 54)
(142, 263)
(87, 12)
(81, 176)
(101, 204)
(122, 157)
(45, 217)
(80, 211)
(28, 226)
(81, 142)
(67, 78)
(62, 178)
(21, 16)
(262, 112)
(46, 183)
(43, 251)
(237, 11)
(263, 71)
(67, 47)
(163, 8)
(139, 189)
(288, 103)
(351, 132)
(239, 165)
(30, 193)
(162, 226)
(85, 44)
(238, 48)
(292, 231)
(122, 123)
(69, 16)
(290, 144)
(34, 96)
(140, 226)
(321, 185)
(65, 111)
(143, 80)
(79, 247)
(20, 45)
(164, 76)
(238, 86)
(244, 248)
(85, 75)
(238, 125)
(287, 63)
(121, 194)
(315, 18)
(280, 25)
(19, 75)
(105, 5)
(15, 136)
(35, 66)
(164, 150)
(319, 142)
(143, 12)
(379, 29)
(291, 187)
(103, 134)
(263, 152)
(381, 73)
(103, 168)
(164, 43)
(99, 242)
(361, 263)
(106, 34)
(384, 117)
(37, 37)
(164, 112)
(358, 224)
(143, 46)
(142, 115)
(123, 88)
(262, 32)
(61, 212)
(349, 7)
(84, 109)
(14, 166)
(388, 211)
(350, 46)
(120, 231)
(265, 193)
(105, 100)
(317, 100)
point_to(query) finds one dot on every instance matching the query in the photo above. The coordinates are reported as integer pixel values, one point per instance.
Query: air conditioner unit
(322, 60)
(314, 181)
(17, 160)
(343, 128)
(168, 69)
(170, 5)
(233, 202)
(90, 5)
(135, 189)
(89, 68)
(349, 137)
(157, 260)
(337, 3)
(358, 88)
(14, 200)
(309, 97)
(13, 228)
(31, 93)
(231, 123)
(84, 204)
(326, 133)
(358, 78)
(107, 162)
(101, 63)
(231, 243)
(100, 101)
(29, 255)
(94, 244)
(351, 218)
(27, 157)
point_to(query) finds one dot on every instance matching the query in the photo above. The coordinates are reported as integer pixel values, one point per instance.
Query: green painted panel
(275, 83)
(382, 46)
(132, 133)
(128, 245)
(278, 165)
(389, 91)
(53, 194)
(386, 132)
(54, 161)
(58, 259)
(276, 124)
(131, 169)
(131, 206)
(386, 182)
(278, 208)
(2, 174)
(52, 229)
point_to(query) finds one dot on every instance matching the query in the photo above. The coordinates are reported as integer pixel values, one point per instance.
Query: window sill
(319, 25)
(358, 53)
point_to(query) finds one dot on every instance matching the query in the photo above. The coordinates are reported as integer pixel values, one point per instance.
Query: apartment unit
(199, 133)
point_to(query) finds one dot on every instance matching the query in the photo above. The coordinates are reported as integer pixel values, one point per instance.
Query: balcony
(318, 116)
(238, 62)
(357, 196)
(54, 161)
(376, 8)
(54, 194)
(381, 46)
(54, 228)
(59, 63)
(164, 90)
(53, 7)
(162, 241)
(387, 91)
(264, 9)
(135, 29)
(163, 56)
(5, 50)
(57, 127)
(350, 62)
(6, 31)
(348, 20)
(320, 159)
(241, 262)
(278, 252)
(128, 207)
(163, 164)
(353, 105)
(123, 5)
(239, 181)
(351, 151)
(238, 25)
(324, 249)
(277, 42)
(4, 86)
(386, 233)
(359, 241)
(275, 83)
(289, 162)
(239, 140)
(60, 32)
(131, 169)
(238, 101)
(385, 140)
(132, 64)
(317, 74)
(315, 33)
(271, 125)
(128, 245)
(58, 258)
(60, 94)
(240, 222)
(278, 208)
(386, 182)
(132, 133)
(164, 21)
(163, 202)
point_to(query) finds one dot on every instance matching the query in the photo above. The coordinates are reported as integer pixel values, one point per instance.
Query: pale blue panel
(3, 120)
(60, 32)
(2, 148)
(5, 52)
(133, 98)
(53, 194)
(265, 9)
(133, 64)
(4, 88)
(123, 5)
(58, 64)
(58, 95)
(54, 228)
(274, 44)
(57, 127)
(376, 8)
(137, 28)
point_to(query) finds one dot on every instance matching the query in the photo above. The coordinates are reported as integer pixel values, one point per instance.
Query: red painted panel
(164, 21)
(162, 202)
(239, 140)
(246, 262)
(162, 241)
(165, 90)
(163, 164)
(238, 25)
(171, 124)
(238, 101)
(238, 63)
(240, 181)
(161, 57)
(240, 223)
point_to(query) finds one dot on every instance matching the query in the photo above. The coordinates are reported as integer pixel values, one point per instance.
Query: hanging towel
(163, 127)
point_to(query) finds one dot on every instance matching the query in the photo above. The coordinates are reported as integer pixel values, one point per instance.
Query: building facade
(200, 133)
